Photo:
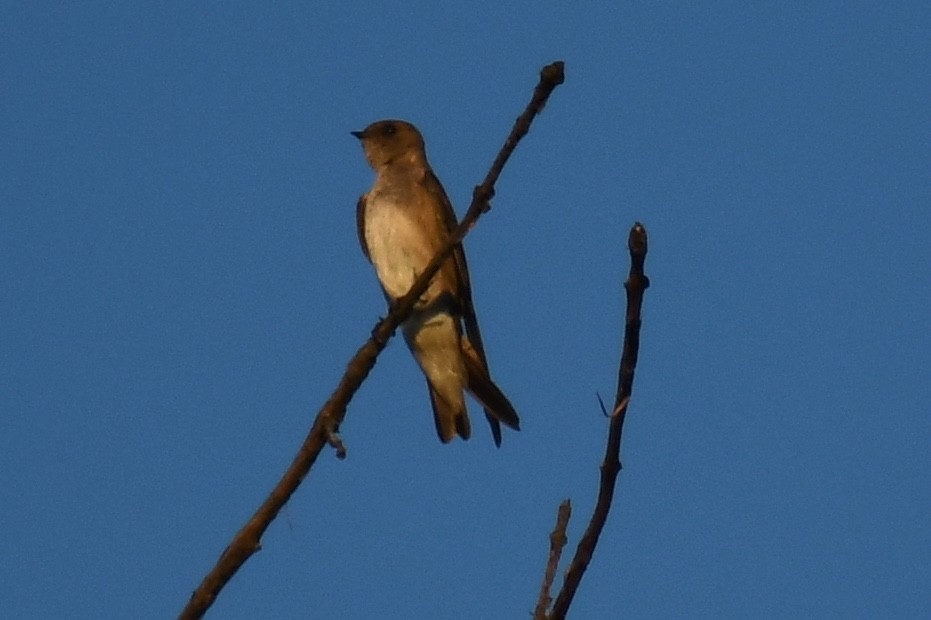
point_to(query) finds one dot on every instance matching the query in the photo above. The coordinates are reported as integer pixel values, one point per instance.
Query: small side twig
(336, 442)
(558, 540)
(635, 285)
(326, 425)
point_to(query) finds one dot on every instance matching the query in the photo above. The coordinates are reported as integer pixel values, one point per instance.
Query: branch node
(482, 194)
(553, 73)
(377, 338)
(621, 406)
(330, 428)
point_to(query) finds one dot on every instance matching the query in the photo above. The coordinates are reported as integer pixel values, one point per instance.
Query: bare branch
(558, 540)
(326, 425)
(635, 285)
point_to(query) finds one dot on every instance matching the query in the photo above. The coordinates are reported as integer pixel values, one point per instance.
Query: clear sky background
(181, 287)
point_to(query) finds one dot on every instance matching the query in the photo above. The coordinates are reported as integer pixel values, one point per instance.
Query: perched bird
(402, 221)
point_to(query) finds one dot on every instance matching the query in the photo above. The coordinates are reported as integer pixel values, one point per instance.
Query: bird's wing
(448, 223)
(360, 225)
(473, 334)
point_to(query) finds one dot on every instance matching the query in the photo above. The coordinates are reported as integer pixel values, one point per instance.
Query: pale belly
(396, 245)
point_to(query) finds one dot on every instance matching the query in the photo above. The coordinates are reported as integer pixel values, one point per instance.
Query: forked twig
(635, 285)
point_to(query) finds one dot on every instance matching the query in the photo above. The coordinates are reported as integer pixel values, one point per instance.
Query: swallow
(403, 220)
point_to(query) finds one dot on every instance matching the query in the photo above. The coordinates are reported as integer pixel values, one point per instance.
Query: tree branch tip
(637, 239)
(554, 72)
(562, 522)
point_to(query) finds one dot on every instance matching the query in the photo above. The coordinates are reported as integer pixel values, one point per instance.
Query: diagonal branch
(326, 425)
(635, 285)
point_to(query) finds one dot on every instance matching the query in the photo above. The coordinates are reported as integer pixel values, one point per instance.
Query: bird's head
(391, 141)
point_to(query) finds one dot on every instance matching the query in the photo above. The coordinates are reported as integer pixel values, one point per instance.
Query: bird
(402, 221)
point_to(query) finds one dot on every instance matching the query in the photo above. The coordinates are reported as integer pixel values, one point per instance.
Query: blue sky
(181, 287)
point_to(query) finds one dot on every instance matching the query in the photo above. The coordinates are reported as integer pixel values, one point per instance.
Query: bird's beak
(358, 134)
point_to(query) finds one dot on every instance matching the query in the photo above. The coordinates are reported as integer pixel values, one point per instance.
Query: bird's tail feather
(450, 419)
(478, 381)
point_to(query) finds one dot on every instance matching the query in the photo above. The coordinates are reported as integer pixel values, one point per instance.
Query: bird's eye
(391, 129)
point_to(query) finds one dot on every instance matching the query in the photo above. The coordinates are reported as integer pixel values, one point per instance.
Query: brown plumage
(402, 221)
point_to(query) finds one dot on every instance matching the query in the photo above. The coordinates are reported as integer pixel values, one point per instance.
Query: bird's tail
(498, 408)
(451, 419)
(433, 337)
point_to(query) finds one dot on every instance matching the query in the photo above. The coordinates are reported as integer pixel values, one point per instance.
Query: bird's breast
(397, 243)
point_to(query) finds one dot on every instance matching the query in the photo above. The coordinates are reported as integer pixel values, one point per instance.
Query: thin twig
(326, 425)
(635, 285)
(558, 540)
